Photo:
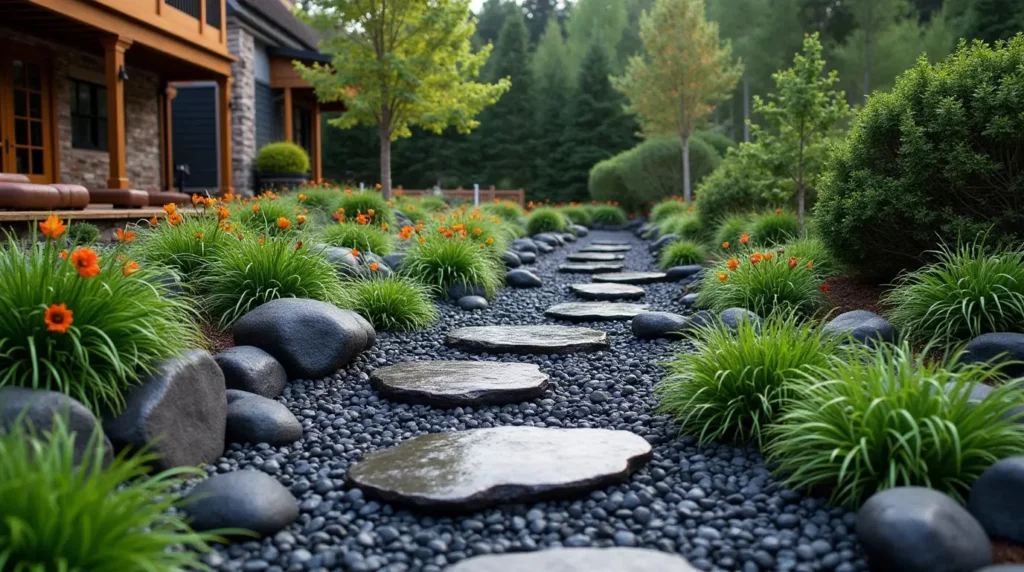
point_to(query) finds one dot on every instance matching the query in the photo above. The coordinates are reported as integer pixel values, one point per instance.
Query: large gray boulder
(862, 326)
(525, 245)
(522, 278)
(653, 325)
(997, 500)
(248, 500)
(999, 348)
(255, 419)
(251, 369)
(37, 410)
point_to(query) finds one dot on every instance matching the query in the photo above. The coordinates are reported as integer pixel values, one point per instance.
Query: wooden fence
(486, 195)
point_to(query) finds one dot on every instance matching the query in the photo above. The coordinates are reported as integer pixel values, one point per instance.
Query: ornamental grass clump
(490, 232)
(731, 230)
(267, 215)
(369, 204)
(682, 253)
(775, 227)
(608, 215)
(686, 226)
(254, 271)
(82, 233)
(735, 384)
(434, 204)
(506, 210)
(967, 292)
(441, 262)
(763, 282)
(59, 516)
(186, 247)
(882, 418)
(391, 303)
(812, 250)
(362, 237)
(545, 219)
(577, 215)
(86, 324)
(666, 209)
(323, 200)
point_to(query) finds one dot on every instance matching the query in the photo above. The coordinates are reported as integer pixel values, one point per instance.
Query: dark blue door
(194, 132)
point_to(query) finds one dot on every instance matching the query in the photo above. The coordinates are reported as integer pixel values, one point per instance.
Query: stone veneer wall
(242, 45)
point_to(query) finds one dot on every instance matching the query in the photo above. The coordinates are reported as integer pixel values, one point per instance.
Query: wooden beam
(318, 167)
(170, 92)
(289, 132)
(114, 49)
(283, 74)
(224, 119)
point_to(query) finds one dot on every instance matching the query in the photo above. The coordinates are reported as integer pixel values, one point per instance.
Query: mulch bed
(851, 292)
(218, 340)
(1006, 553)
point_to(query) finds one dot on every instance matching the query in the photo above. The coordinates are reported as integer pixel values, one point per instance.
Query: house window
(88, 115)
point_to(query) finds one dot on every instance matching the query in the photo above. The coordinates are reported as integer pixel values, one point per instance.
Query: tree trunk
(746, 109)
(385, 161)
(686, 169)
(800, 193)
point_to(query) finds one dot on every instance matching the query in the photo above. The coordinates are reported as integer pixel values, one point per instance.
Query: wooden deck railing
(486, 195)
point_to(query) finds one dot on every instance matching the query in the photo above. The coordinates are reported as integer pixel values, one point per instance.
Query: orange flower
(223, 213)
(302, 197)
(196, 199)
(478, 231)
(255, 208)
(283, 223)
(64, 253)
(722, 276)
(58, 318)
(362, 219)
(123, 236)
(384, 226)
(424, 239)
(240, 236)
(725, 245)
(410, 208)
(131, 268)
(824, 287)
(86, 262)
(419, 226)
(768, 255)
(260, 241)
(756, 257)
(153, 221)
(298, 245)
(793, 262)
(733, 264)
(489, 241)
(371, 212)
(744, 238)
(391, 204)
(354, 252)
(374, 267)
(52, 227)
(170, 208)
(810, 265)
(778, 211)
(378, 186)
(199, 236)
(174, 219)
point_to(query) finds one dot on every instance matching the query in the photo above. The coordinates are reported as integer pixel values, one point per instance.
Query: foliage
(813, 250)
(434, 204)
(391, 303)
(763, 283)
(930, 161)
(186, 248)
(505, 210)
(321, 199)
(738, 185)
(652, 171)
(362, 237)
(282, 157)
(577, 215)
(83, 233)
(685, 225)
(545, 219)
(720, 142)
(681, 253)
(56, 515)
(606, 183)
(356, 204)
(86, 325)
(883, 418)
(601, 22)
(731, 229)
(552, 87)
(441, 263)
(966, 292)
(401, 64)
(667, 208)
(774, 227)
(993, 20)
(609, 215)
(253, 272)
(734, 385)
(262, 215)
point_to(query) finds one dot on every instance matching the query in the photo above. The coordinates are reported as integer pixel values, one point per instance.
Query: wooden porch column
(170, 92)
(318, 167)
(289, 135)
(224, 128)
(114, 49)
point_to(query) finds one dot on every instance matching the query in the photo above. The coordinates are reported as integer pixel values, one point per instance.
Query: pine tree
(602, 21)
(538, 13)
(993, 20)
(552, 82)
(490, 20)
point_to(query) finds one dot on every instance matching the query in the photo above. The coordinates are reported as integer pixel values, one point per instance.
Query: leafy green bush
(441, 263)
(577, 215)
(933, 160)
(356, 204)
(774, 227)
(609, 215)
(545, 219)
(731, 229)
(720, 142)
(282, 157)
(882, 418)
(606, 184)
(680, 253)
(814, 251)
(186, 247)
(253, 272)
(666, 209)
(362, 237)
(505, 210)
(392, 303)
(685, 225)
(763, 283)
(735, 187)
(87, 325)
(965, 293)
(83, 233)
(653, 170)
(735, 384)
(55, 515)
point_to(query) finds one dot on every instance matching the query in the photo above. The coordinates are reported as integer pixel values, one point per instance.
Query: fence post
(360, 187)
(476, 194)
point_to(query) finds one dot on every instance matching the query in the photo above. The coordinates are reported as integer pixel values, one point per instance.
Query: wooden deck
(90, 213)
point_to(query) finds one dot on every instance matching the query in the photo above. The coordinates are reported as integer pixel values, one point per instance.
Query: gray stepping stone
(470, 470)
(603, 291)
(577, 560)
(609, 243)
(590, 267)
(595, 257)
(607, 248)
(528, 339)
(594, 311)
(457, 383)
(630, 277)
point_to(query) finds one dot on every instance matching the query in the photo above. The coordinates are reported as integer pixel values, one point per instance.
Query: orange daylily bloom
(131, 268)
(196, 199)
(371, 212)
(725, 245)
(153, 221)
(174, 219)
(374, 267)
(354, 252)
(123, 236)
(362, 219)
(824, 287)
(298, 245)
(722, 276)
(384, 226)
(793, 262)
(489, 240)
(199, 236)
(52, 227)
(302, 197)
(86, 262)
(768, 256)
(255, 208)
(478, 231)
(733, 264)
(756, 257)
(810, 265)
(223, 213)
(744, 238)
(301, 219)
(64, 253)
(170, 208)
(58, 318)
(778, 211)
(283, 223)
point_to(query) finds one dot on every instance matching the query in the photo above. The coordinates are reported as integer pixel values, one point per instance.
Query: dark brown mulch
(850, 292)
(217, 339)
(1006, 553)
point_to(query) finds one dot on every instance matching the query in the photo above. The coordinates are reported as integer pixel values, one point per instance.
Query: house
(87, 91)
(269, 101)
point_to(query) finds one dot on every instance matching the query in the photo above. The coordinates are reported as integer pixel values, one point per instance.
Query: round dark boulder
(395, 260)
(732, 317)
(459, 290)
(249, 500)
(524, 245)
(548, 238)
(567, 237)
(997, 347)
(652, 325)
(679, 273)
(255, 419)
(36, 410)
(251, 369)
(663, 242)
(862, 326)
(915, 529)
(527, 257)
(580, 230)
(472, 303)
(522, 278)
(545, 248)
(342, 259)
(511, 259)
(688, 299)
(997, 500)
(371, 334)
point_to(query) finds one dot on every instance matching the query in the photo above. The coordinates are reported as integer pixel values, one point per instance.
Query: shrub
(609, 215)
(733, 385)
(578, 215)
(680, 253)
(774, 227)
(813, 250)
(686, 225)
(435, 204)
(735, 187)
(653, 170)
(545, 219)
(505, 210)
(731, 228)
(762, 282)
(933, 160)
(262, 216)
(282, 157)
(83, 233)
(362, 237)
(55, 515)
(186, 247)
(441, 262)
(356, 204)
(965, 293)
(253, 272)
(720, 142)
(607, 185)
(882, 418)
(88, 326)
(321, 199)
(667, 209)
(392, 303)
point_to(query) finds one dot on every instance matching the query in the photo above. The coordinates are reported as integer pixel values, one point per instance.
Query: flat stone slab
(577, 560)
(607, 291)
(607, 248)
(595, 257)
(590, 267)
(457, 383)
(528, 339)
(609, 243)
(630, 277)
(594, 311)
(470, 470)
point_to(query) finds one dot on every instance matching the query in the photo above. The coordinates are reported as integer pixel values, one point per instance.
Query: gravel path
(717, 505)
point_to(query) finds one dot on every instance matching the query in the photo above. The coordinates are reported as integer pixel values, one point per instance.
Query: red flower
(824, 287)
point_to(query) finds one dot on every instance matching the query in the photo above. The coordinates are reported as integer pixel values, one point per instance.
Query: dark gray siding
(194, 123)
(264, 115)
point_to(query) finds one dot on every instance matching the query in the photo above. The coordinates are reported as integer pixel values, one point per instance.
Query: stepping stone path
(458, 383)
(594, 311)
(630, 277)
(606, 248)
(609, 243)
(595, 257)
(590, 267)
(469, 470)
(577, 560)
(528, 339)
(601, 291)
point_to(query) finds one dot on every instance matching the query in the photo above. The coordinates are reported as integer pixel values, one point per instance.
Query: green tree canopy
(552, 85)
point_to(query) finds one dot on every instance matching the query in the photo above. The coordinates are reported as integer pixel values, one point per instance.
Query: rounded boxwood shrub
(934, 160)
(667, 209)
(653, 170)
(606, 184)
(545, 219)
(362, 237)
(440, 263)
(578, 215)
(762, 282)
(609, 215)
(282, 157)
(391, 303)
(774, 227)
(681, 253)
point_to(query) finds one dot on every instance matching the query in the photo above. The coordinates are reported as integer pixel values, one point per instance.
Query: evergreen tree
(551, 94)
(596, 125)
(993, 20)
(538, 13)
(490, 20)
(602, 21)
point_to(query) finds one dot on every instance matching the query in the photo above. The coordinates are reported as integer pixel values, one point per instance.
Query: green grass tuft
(577, 215)
(609, 215)
(775, 227)
(180, 247)
(730, 229)
(814, 251)
(358, 203)
(392, 303)
(667, 209)
(545, 219)
(505, 210)
(681, 253)
(771, 285)
(363, 237)
(440, 263)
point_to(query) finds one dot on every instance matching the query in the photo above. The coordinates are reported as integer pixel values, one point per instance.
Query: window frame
(96, 116)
